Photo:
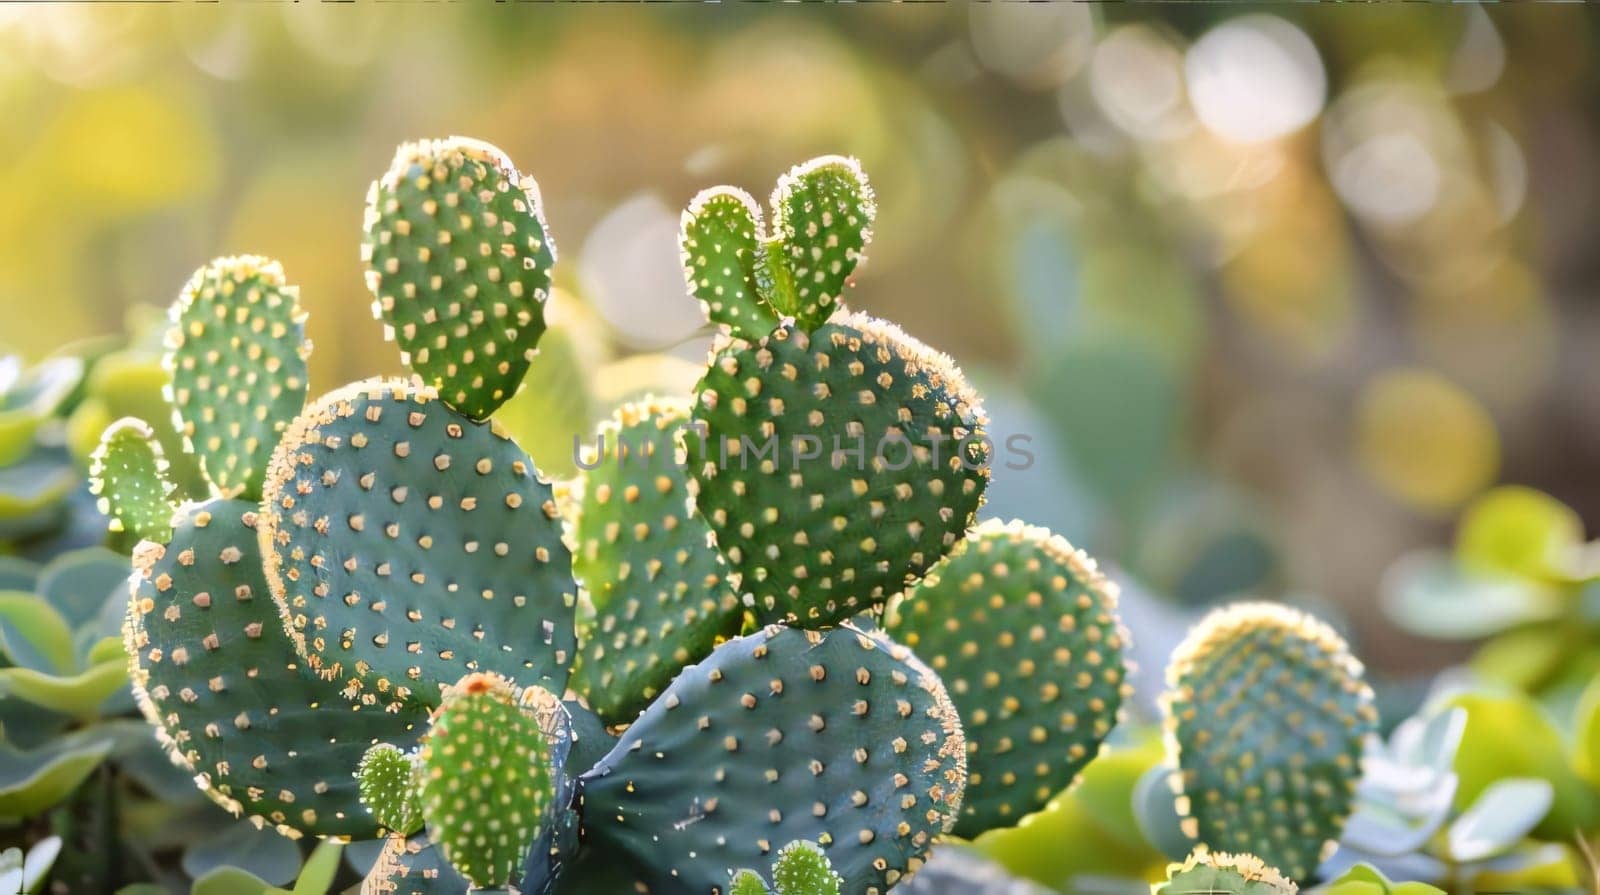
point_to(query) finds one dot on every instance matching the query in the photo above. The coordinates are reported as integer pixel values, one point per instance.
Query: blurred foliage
(1271, 295)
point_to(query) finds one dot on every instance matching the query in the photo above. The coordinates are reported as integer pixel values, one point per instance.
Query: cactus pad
(1266, 713)
(217, 676)
(412, 866)
(1206, 873)
(660, 592)
(836, 466)
(408, 545)
(237, 354)
(459, 263)
(720, 243)
(128, 475)
(822, 213)
(802, 869)
(748, 882)
(1023, 630)
(837, 736)
(389, 783)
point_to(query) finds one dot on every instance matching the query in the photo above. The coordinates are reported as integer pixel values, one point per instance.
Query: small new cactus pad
(1266, 712)
(839, 736)
(128, 475)
(237, 354)
(389, 783)
(748, 882)
(412, 866)
(659, 590)
(458, 261)
(1219, 873)
(407, 545)
(747, 279)
(485, 778)
(215, 673)
(800, 869)
(1023, 630)
(836, 466)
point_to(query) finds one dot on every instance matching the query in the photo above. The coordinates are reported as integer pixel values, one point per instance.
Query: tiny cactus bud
(802, 869)
(389, 786)
(129, 476)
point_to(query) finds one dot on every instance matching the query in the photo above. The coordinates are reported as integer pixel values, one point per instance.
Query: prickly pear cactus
(389, 782)
(748, 279)
(485, 778)
(215, 673)
(800, 869)
(835, 466)
(659, 591)
(748, 882)
(1023, 630)
(237, 353)
(128, 476)
(412, 866)
(839, 736)
(408, 545)
(459, 260)
(1219, 873)
(1266, 713)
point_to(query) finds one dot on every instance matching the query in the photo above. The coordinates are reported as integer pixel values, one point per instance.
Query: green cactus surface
(215, 673)
(1266, 714)
(840, 737)
(660, 593)
(1023, 629)
(748, 882)
(485, 778)
(837, 466)
(128, 476)
(407, 545)
(747, 279)
(390, 784)
(458, 261)
(412, 866)
(237, 354)
(1219, 873)
(801, 868)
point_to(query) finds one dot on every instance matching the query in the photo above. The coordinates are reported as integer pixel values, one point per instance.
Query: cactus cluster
(761, 614)
(1219, 873)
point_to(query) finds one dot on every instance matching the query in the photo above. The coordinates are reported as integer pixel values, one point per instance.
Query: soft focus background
(1275, 292)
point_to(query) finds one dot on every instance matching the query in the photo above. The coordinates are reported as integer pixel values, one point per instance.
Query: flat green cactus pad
(390, 785)
(802, 869)
(720, 243)
(659, 590)
(410, 545)
(1023, 630)
(1266, 712)
(237, 354)
(837, 466)
(485, 778)
(748, 882)
(412, 866)
(1206, 873)
(128, 476)
(822, 213)
(217, 676)
(459, 263)
(840, 737)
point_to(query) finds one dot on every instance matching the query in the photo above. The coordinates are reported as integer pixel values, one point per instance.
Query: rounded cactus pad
(1207, 873)
(214, 672)
(659, 590)
(407, 545)
(128, 476)
(720, 241)
(748, 882)
(486, 778)
(1266, 714)
(835, 466)
(802, 869)
(458, 261)
(237, 354)
(390, 782)
(1023, 630)
(840, 737)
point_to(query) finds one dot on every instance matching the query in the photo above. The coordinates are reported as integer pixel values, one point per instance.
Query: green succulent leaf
(33, 634)
(410, 545)
(1586, 757)
(319, 871)
(1364, 879)
(1022, 627)
(263, 853)
(237, 353)
(1512, 736)
(215, 673)
(720, 239)
(33, 492)
(128, 473)
(1503, 813)
(226, 880)
(458, 261)
(34, 780)
(835, 467)
(1520, 531)
(80, 695)
(81, 584)
(822, 213)
(840, 737)
(1266, 717)
(23, 874)
(660, 594)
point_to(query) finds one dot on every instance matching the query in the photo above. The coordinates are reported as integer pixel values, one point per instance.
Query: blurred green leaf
(32, 781)
(317, 876)
(1432, 594)
(1364, 879)
(1521, 531)
(34, 635)
(264, 853)
(17, 573)
(1507, 811)
(1525, 657)
(79, 695)
(79, 583)
(31, 491)
(230, 881)
(1586, 755)
(21, 874)
(1157, 813)
(1533, 866)
(1510, 736)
